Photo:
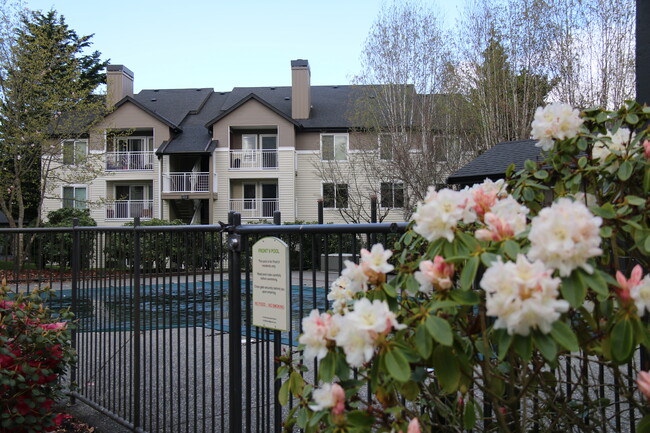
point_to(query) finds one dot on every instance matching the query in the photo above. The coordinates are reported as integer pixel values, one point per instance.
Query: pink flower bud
(625, 284)
(414, 426)
(646, 149)
(643, 382)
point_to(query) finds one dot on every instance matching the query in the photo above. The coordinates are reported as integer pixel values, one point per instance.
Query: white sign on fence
(271, 284)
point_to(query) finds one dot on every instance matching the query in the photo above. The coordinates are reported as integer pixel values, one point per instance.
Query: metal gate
(157, 349)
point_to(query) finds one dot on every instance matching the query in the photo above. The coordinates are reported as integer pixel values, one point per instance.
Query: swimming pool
(108, 307)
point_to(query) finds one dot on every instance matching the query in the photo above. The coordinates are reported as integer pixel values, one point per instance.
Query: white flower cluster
(606, 143)
(564, 236)
(329, 395)
(438, 216)
(355, 331)
(641, 295)
(522, 295)
(440, 212)
(555, 121)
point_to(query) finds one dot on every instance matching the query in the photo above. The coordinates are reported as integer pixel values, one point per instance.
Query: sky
(226, 43)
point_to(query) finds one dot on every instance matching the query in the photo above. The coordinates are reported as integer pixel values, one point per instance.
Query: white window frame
(75, 153)
(74, 187)
(392, 193)
(334, 135)
(335, 195)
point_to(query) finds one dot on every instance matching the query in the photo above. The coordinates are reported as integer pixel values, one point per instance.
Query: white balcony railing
(142, 161)
(254, 159)
(127, 209)
(255, 208)
(187, 182)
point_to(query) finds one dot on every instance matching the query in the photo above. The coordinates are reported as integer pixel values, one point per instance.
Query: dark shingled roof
(494, 162)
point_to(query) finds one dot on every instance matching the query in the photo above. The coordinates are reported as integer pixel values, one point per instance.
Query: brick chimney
(119, 83)
(300, 89)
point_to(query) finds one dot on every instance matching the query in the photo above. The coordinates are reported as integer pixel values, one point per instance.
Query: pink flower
(625, 284)
(646, 149)
(436, 274)
(414, 426)
(53, 326)
(643, 382)
(316, 329)
(330, 395)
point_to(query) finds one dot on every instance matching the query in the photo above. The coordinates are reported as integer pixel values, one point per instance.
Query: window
(392, 195)
(335, 195)
(74, 197)
(250, 195)
(386, 147)
(334, 147)
(74, 151)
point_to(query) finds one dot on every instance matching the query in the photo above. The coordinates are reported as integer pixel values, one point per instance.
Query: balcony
(187, 182)
(128, 209)
(255, 208)
(254, 159)
(134, 161)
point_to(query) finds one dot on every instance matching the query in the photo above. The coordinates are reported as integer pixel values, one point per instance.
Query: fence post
(136, 324)
(277, 351)
(76, 252)
(373, 219)
(321, 220)
(234, 322)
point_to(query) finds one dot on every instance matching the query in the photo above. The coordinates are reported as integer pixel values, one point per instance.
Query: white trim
(75, 186)
(96, 152)
(221, 149)
(286, 148)
(393, 183)
(307, 152)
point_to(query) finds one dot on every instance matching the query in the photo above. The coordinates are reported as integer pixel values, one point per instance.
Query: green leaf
(511, 248)
(504, 340)
(410, 390)
(594, 281)
(327, 367)
(283, 394)
(361, 419)
(469, 416)
(573, 289)
(412, 285)
(646, 180)
(523, 346)
(440, 330)
(447, 368)
(342, 368)
(423, 341)
(644, 425)
(302, 418)
(635, 201)
(625, 170)
(465, 297)
(564, 336)
(389, 289)
(546, 345)
(632, 119)
(468, 274)
(296, 383)
(582, 162)
(606, 211)
(488, 259)
(622, 341)
(317, 417)
(646, 244)
(541, 174)
(397, 365)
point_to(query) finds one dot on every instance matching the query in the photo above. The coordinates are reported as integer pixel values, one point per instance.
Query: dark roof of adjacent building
(493, 163)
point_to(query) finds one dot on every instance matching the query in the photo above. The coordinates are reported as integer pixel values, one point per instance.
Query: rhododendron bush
(512, 305)
(34, 352)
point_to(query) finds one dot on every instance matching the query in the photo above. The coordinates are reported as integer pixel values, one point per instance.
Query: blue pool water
(172, 305)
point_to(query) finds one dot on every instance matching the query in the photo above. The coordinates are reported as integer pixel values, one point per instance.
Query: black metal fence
(157, 349)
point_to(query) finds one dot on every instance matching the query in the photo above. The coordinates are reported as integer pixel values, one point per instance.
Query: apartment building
(196, 154)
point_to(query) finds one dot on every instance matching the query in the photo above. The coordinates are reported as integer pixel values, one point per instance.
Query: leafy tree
(408, 128)
(56, 248)
(46, 93)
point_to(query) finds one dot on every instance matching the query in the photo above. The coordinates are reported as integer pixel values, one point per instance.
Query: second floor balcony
(255, 208)
(129, 209)
(187, 182)
(264, 159)
(135, 161)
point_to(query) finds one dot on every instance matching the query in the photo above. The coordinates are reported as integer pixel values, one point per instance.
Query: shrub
(34, 352)
(57, 248)
(524, 298)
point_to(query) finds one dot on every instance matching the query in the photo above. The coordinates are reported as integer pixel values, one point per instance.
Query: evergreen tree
(47, 85)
